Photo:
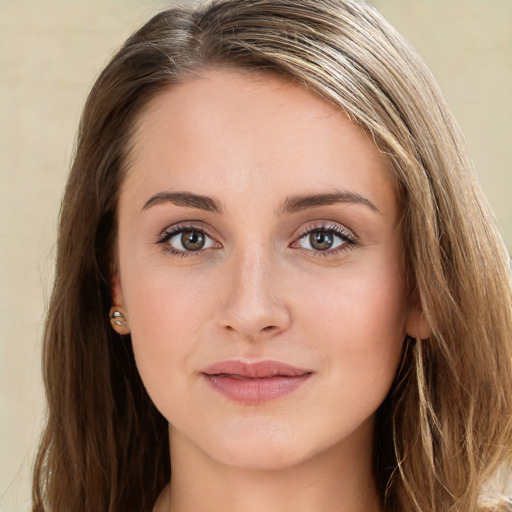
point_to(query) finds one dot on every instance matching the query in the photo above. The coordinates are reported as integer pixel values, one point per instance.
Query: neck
(339, 480)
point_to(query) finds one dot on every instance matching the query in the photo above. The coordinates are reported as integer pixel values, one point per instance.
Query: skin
(259, 290)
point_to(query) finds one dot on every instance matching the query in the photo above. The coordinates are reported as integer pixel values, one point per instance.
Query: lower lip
(255, 390)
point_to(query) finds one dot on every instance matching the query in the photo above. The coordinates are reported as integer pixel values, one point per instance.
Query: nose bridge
(253, 270)
(253, 304)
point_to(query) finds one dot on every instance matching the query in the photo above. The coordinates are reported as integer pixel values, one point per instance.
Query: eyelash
(348, 239)
(175, 230)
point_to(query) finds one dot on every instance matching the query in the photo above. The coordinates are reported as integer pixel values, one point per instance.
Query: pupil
(321, 240)
(192, 240)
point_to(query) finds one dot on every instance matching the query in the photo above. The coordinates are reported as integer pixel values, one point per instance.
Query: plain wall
(50, 52)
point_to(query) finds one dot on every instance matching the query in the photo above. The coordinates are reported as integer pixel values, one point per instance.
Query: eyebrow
(292, 204)
(186, 199)
(298, 203)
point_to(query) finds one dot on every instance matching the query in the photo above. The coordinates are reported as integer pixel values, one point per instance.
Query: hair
(446, 425)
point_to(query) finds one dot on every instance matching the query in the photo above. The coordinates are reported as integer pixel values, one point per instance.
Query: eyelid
(326, 225)
(348, 237)
(195, 225)
(173, 230)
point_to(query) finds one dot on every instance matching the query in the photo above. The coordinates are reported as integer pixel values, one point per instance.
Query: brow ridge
(295, 204)
(291, 204)
(186, 199)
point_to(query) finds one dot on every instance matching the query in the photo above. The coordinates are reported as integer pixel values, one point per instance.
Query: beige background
(50, 51)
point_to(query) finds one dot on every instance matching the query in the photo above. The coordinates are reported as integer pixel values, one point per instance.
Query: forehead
(228, 131)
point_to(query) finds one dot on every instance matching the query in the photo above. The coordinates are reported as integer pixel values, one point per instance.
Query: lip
(254, 382)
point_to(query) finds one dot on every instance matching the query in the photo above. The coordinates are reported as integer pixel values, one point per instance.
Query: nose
(254, 306)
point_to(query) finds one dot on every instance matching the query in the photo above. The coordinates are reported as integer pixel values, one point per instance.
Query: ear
(117, 291)
(118, 314)
(416, 326)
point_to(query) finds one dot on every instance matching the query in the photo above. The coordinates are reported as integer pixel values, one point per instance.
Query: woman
(276, 275)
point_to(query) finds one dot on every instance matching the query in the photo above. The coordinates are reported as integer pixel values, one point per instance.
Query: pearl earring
(118, 320)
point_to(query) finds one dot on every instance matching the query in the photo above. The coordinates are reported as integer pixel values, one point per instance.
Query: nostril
(269, 329)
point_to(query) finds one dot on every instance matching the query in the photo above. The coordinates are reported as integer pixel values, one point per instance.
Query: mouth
(253, 383)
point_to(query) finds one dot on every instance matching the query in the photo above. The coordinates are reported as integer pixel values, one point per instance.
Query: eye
(321, 241)
(325, 239)
(183, 240)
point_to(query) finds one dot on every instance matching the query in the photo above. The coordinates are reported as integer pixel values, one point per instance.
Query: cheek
(362, 305)
(166, 317)
(359, 321)
(161, 302)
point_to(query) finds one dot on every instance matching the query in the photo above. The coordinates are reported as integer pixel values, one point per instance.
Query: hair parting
(446, 426)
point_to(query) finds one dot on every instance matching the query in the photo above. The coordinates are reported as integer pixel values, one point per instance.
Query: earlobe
(119, 320)
(416, 326)
(118, 315)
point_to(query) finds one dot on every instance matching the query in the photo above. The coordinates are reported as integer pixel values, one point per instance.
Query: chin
(253, 445)
(263, 456)
(269, 446)
(266, 441)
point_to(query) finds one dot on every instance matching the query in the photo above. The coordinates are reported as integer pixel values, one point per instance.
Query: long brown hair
(446, 425)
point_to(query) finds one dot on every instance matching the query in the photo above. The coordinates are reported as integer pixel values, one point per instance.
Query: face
(259, 267)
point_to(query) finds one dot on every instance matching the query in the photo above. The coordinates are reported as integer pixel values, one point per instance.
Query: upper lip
(258, 369)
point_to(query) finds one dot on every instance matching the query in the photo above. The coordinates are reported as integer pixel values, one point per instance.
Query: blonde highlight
(438, 442)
